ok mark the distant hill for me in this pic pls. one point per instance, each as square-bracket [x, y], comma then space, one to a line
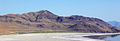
[115, 23]
[46, 21]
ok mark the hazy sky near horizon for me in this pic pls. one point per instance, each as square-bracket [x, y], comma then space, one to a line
[107, 10]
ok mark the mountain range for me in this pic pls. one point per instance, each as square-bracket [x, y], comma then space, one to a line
[46, 21]
[115, 23]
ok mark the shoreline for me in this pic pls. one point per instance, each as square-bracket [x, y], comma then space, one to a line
[52, 37]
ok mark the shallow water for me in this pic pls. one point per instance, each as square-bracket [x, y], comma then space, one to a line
[116, 38]
[105, 37]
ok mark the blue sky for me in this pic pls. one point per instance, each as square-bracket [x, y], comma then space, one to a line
[107, 10]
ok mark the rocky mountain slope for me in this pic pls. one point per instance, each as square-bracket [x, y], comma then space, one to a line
[45, 21]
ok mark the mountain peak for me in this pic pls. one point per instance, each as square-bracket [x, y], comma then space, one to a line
[44, 11]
